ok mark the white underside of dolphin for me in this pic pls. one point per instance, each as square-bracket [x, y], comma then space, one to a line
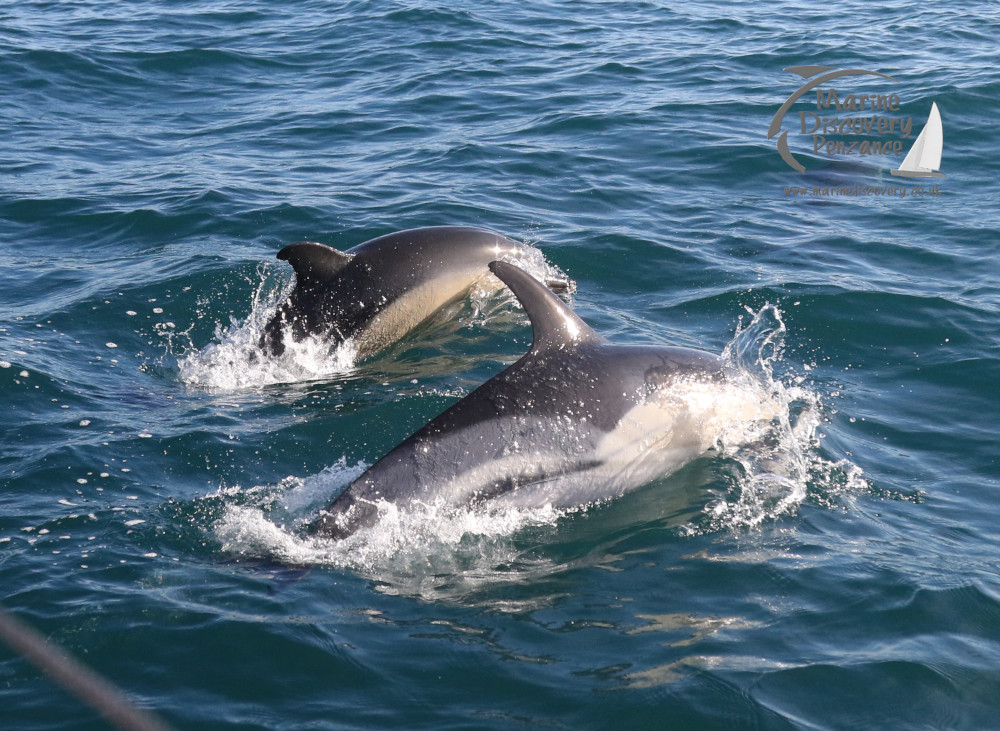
[576, 420]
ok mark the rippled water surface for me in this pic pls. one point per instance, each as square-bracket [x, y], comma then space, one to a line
[836, 569]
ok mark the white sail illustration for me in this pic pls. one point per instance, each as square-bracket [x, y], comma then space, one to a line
[924, 158]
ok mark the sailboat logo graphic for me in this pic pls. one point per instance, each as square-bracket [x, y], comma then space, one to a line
[924, 158]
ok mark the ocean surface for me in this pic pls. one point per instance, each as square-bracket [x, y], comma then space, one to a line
[838, 570]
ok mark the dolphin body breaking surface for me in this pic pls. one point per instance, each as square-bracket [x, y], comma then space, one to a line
[576, 420]
[376, 292]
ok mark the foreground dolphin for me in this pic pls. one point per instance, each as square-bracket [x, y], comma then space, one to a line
[378, 291]
[575, 420]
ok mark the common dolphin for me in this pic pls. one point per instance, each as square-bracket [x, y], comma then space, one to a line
[378, 291]
[576, 420]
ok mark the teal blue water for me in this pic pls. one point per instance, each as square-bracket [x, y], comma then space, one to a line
[839, 571]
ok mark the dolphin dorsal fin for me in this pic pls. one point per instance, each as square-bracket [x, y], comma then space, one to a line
[312, 262]
[553, 323]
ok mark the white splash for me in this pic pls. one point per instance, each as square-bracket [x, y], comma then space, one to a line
[415, 549]
[777, 467]
[235, 361]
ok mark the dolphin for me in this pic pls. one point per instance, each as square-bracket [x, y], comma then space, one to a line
[378, 291]
[576, 420]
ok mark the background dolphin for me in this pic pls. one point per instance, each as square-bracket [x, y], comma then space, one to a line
[378, 291]
[575, 420]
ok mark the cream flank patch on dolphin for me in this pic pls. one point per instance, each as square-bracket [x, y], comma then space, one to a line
[404, 314]
[419, 305]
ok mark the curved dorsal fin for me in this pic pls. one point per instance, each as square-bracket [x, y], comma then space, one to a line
[553, 323]
[313, 263]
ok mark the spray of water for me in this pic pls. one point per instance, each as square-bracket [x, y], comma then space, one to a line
[775, 468]
[432, 551]
[234, 361]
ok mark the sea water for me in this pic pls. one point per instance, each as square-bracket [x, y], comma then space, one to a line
[836, 569]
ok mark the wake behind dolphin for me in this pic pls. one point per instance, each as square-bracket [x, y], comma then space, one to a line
[376, 292]
[576, 420]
